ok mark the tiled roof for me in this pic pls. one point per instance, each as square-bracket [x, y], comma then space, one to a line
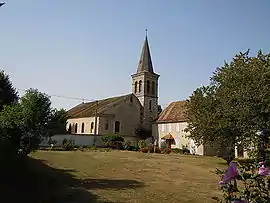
[88, 109]
[175, 112]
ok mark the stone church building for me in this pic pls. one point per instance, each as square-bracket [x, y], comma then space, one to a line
[123, 114]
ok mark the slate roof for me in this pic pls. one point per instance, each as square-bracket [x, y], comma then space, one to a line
[88, 109]
[175, 112]
[145, 62]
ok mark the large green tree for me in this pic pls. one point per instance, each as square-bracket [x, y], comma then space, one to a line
[235, 105]
[8, 94]
[25, 124]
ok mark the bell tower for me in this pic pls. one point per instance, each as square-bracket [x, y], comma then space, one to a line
[145, 84]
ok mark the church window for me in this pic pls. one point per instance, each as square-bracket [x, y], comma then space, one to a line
[140, 86]
[69, 128]
[107, 125]
[131, 99]
[92, 127]
[150, 105]
[76, 127]
[82, 130]
[148, 86]
[117, 127]
[136, 86]
[153, 87]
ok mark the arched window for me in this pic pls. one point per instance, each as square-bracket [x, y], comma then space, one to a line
[131, 99]
[69, 128]
[117, 127]
[92, 127]
[153, 87]
[150, 105]
[82, 128]
[140, 86]
[147, 86]
[76, 127]
[136, 86]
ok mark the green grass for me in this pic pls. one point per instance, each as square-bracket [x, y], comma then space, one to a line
[120, 176]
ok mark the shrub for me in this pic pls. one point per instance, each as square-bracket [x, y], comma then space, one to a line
[92, 147]
[177, 151]
[166, 151]
[144, 150]
[127, 145]
[113, 141]
[150, 148]
[68, 144]
[142, 144]
[157, 150]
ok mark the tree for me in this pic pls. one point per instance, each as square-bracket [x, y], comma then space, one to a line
[37, 117]
[159, 109]
[58, 122]
[10, 131]
[235, 105]
[8, 94]
[142, 132]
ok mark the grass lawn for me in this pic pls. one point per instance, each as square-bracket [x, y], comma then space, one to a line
[119, 176]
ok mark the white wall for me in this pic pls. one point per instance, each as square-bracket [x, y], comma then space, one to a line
[80, 140]
[177, 130]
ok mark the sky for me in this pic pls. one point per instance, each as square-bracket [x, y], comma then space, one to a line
[88, 49]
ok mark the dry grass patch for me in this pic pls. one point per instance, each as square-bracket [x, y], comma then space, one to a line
[122, 176]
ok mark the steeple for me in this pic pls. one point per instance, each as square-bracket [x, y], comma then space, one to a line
[145, 62]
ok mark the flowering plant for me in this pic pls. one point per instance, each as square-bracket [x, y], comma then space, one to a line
[245, 183]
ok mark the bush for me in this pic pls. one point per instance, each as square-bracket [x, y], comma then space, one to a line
[68, 144]
[142, 144]
[113, 141]
[157, 150]
[177, 151]
[144, 150]
[166, 151]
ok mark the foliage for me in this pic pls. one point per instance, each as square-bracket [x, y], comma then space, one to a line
[163, 145]
[8, 94]
[235, 105]
[142, 144]
[25, 124]
[58, 121]
[68, 144]
[157, 150]
[113, 141]
[246, 184]
[166, 151]
[142, 132]
[52, 142]
[10, 133]
[144, 150]
[159, 109]
[177, 151]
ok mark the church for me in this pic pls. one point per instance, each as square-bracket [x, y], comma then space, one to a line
[123, 114]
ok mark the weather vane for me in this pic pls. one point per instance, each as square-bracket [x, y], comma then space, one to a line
[146, 32]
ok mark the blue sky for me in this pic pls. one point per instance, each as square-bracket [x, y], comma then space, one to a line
[89, 48]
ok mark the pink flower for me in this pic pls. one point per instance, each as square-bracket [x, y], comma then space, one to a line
[231, 173]
[264, 171]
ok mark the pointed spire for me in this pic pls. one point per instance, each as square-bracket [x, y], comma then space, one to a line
[145, 62]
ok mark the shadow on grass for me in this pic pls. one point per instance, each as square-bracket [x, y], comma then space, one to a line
[31, 180]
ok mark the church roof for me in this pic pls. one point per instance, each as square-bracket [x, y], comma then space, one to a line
[88, 109]
[145, 62]
[175, 112]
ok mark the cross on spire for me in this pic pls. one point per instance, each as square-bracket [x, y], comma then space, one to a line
[146, 32]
